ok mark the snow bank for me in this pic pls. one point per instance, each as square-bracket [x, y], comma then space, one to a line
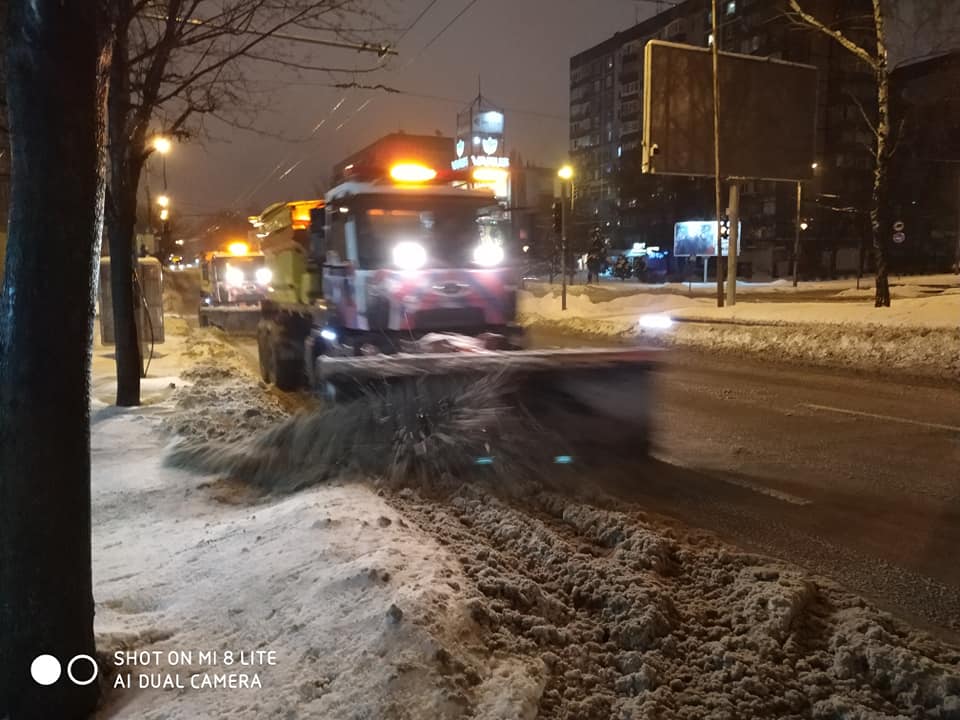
[634, 620]
[365, 615]
[920, 336]
[900, 286]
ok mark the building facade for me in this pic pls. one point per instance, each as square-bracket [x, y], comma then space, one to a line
[606, 122]
[925, 170]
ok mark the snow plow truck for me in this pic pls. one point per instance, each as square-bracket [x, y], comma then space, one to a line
[233, 282]
[402, 275]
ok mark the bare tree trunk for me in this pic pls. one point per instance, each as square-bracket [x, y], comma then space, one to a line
[122, 216]
[56, 103]
[878, 217]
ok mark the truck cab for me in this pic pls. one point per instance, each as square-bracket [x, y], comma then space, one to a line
[236, 277]
[391, 255]
[404, 260]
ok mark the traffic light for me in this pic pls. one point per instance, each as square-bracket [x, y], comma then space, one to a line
[725, 228]
[558, 217]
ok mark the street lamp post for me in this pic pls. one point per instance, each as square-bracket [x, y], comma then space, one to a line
[800, 225]
[566, 196]
[163, 145]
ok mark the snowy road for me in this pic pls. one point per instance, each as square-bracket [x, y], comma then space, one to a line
[854, 477]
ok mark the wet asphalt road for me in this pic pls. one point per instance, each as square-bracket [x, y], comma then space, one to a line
[853, 477]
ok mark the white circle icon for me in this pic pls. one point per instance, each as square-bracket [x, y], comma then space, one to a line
[93, 674]
[45, 669]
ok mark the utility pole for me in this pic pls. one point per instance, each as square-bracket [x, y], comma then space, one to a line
[715, 52]
[733, 215]
[796, 235]
[566, 200]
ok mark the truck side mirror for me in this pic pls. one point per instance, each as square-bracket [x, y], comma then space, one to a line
[318, 232]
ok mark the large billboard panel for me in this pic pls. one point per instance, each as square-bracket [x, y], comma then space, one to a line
[767, 114]
[698, 238]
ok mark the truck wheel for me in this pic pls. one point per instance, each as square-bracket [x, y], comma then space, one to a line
[265, 355]
[287, 366]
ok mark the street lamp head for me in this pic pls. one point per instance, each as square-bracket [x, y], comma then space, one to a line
[565, 173]
[162, 144]
[804, 226]
[164, 215]
[814, 166]
[163, 201]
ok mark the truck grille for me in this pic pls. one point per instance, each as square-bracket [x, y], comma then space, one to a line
[449, 318]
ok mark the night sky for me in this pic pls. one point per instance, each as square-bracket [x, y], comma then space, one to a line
[520, 49]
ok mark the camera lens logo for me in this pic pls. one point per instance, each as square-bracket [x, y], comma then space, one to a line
[46, 670]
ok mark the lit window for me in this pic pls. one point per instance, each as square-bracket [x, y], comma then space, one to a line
[731, 7]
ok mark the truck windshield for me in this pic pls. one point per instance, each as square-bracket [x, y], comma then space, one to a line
[449, 228]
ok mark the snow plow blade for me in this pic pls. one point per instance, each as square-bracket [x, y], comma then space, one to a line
[592, 403]
[232, 320]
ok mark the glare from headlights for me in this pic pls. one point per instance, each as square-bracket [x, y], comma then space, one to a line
[488, 254]
[233, 276]
[408, 255]
[264, 275]
[656, 321]
[328, 335]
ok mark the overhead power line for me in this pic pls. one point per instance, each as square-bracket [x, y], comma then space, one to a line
[380, 49]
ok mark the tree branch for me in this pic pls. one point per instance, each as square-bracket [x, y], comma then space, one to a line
[813, 22]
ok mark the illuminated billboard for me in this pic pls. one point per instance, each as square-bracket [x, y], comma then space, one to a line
[698, 238]
[489, 122]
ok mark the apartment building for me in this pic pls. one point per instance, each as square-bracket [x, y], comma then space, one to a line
[606, 121]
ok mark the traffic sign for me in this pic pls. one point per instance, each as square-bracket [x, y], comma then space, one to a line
[899, 237]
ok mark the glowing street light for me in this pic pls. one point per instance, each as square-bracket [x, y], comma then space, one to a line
[164, 214]
[565, 173]
[804, 226]
[163, 201]
[162, 144]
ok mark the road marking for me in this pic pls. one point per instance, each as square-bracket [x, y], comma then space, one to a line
[763, 490]
[876, 416]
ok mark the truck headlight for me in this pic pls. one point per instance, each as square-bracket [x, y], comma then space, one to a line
[264, 276]
[233, 276]
[409, 255]
[488, 254]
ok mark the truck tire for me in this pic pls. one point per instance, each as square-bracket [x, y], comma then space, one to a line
[287, 366]
[264, 354]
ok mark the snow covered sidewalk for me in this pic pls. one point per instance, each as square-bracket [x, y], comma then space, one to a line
[917, 335]
[337, 602]
[222, 604]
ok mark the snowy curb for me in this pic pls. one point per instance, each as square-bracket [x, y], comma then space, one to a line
[919, 352]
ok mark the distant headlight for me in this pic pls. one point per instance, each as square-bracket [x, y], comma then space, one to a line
[233, 276]
[263, 276]
[409, 255]
[488, 254]
[656, 321]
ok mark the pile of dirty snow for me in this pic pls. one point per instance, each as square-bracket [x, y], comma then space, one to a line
[349, 611]
[219, 398]
[633, 620]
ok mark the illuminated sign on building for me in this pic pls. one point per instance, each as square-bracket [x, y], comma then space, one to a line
[497, 161]
[480, 145]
